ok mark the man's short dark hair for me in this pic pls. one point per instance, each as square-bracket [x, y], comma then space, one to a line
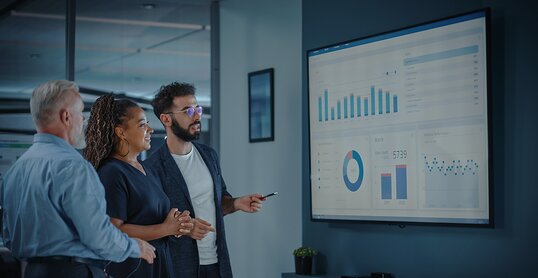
[164, 99]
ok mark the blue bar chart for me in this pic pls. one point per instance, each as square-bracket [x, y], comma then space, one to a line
[401, 183]
[320, 118]
[354, 106]
[372, 99]
[380, 98]
[326, 95]
[387, 105]
[358, 106]
[386, 186]
[345, 107]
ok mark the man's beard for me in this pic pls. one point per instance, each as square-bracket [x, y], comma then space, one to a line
[79, 142]
[184, 134]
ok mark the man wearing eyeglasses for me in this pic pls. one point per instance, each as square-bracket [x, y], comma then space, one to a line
[191, 177]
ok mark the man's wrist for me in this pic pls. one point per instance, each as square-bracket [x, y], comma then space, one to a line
[228, 204]
[234, 208]
[135, 248]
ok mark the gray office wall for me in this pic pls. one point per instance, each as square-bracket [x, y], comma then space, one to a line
[508, 250]
[256, 35]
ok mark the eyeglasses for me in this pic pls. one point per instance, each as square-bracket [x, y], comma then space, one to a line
[190, 111]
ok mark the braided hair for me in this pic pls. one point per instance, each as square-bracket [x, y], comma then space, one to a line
[106, 114]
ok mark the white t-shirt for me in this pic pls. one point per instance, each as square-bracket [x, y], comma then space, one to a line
[200, 185]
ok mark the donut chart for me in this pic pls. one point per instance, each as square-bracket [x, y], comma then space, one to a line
[353, 186]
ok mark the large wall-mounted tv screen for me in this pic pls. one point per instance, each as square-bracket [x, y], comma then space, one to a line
[398, 125]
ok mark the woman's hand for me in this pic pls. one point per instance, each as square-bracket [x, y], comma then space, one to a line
[177, 223]
[185, 223]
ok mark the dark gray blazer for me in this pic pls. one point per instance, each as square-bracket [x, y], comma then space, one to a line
[184, 250]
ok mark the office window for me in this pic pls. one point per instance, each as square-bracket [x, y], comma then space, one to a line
[32, 45]
[131, 48]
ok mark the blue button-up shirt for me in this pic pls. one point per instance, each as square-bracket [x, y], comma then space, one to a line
[54, 204]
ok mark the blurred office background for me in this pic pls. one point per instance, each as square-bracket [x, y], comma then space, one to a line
[131, 48]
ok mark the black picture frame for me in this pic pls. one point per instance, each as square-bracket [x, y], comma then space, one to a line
[261, 120]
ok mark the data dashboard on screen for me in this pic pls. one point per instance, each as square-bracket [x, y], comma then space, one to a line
[398, 125]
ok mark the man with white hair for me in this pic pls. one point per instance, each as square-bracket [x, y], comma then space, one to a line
[54, 208]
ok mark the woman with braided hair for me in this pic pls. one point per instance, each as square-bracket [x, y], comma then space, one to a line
[118, 131]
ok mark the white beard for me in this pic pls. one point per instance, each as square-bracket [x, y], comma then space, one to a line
[79, 142]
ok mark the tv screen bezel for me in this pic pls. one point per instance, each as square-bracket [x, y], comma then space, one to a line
[490, 224]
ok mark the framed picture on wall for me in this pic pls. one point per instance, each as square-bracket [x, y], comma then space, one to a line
[261, 105]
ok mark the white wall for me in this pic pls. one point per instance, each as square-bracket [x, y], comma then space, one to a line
[257, 35]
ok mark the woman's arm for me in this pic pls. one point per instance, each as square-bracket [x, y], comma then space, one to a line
[176, 224]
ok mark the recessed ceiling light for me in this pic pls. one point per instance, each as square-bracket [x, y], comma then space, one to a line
[148, 6]
[34, 56]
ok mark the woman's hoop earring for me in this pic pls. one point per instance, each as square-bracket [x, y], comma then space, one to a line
[128, 148]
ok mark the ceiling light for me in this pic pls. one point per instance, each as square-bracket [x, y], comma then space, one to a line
[148, 6]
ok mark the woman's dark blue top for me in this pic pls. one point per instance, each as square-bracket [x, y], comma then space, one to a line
[136, 199]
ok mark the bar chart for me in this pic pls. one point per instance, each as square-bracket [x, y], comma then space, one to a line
[401, 183]
[377, 102]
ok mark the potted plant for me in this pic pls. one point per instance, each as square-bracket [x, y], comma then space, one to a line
[303, 260]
